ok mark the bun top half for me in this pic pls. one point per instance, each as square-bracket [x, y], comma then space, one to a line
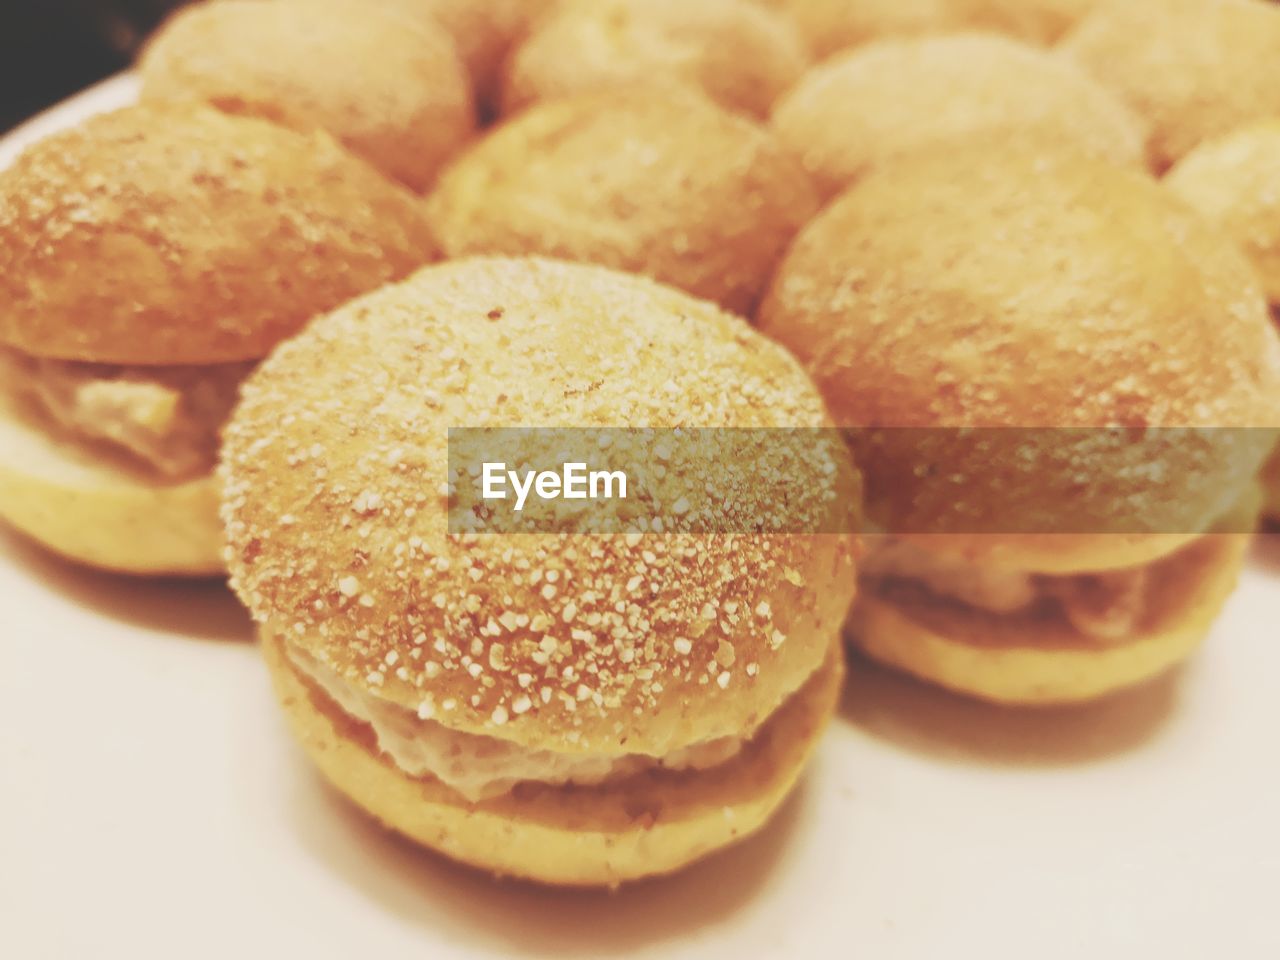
[660, 182]
[1235, 182]
[1034, 288]
[336, 471]
[830, 26]
[740, 54]
[387, 85]
[1192, 69]
[892, 97]
[172, 234]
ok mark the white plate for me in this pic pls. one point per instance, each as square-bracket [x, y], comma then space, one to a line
[152, 805]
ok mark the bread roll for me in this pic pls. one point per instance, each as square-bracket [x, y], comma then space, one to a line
[660, 183]
[147, 259]
[586, 665]
[887, 99]
[1192, 69]
[389, 86]
[738, 54]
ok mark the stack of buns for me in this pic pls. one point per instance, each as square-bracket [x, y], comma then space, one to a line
[938, 226]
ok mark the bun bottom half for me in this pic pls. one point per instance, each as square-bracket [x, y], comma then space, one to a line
[1033, 660]
[578, 836]
[101, 514]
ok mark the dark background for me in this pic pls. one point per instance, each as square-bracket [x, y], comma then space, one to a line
[50, 49]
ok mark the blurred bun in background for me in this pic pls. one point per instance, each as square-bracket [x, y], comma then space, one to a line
[1193, 69]
[1235, 182]
[389, 85]
[872, 105]
[658, 182]
[830, 26]
[741, 55]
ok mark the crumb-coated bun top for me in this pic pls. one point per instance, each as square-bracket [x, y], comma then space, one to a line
[335, 470]
[172, 234]
[389, 86]
[1027, 287]
[741, 55]
[662, 183]
[833, 25]
[1235, 182]
[876, 103]
[1194, 69]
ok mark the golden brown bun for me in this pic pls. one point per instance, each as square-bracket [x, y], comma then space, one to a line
[834, 25]
[1194, 69]
[893, 97]
[338, 531]
[1034, 660]
[482, 31]
[173, 234]
[1029, 288]
[740, 55]
[643, 826]
[662, 184]
[1235, 182]
[388, 86]
[96, 512]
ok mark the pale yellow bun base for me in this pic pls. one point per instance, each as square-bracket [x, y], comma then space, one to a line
[95, 512]
[646, 825]
[1027, 660]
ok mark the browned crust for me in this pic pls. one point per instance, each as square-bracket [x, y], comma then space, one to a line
[661, 183]
[1128, 307]
[175, 234]
[1193, 70]
[874, 104]
[1232, 181]
[741, 55]
[834, 25]
[406, 109]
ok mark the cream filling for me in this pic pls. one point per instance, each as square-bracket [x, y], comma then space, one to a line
[479, 766]
[1103, 606]
[166, 418]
